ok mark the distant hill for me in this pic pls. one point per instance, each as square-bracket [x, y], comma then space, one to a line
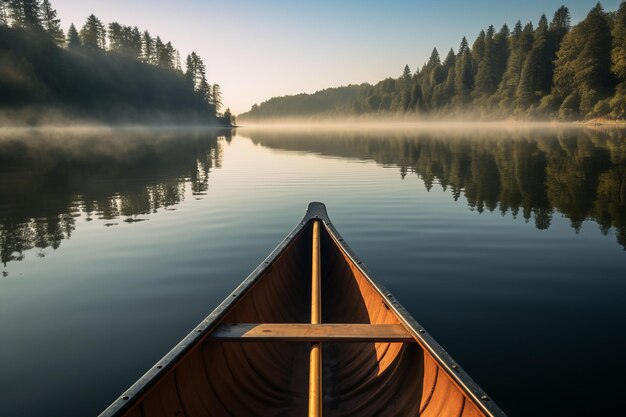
[324, 103]
[548, 71]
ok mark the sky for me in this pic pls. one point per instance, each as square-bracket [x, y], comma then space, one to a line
[258, 49]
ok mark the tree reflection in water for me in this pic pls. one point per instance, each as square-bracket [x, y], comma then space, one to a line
[578, 172]
[48, 178]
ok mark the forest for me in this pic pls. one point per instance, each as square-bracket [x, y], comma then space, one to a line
[97, 71]
[551, 70]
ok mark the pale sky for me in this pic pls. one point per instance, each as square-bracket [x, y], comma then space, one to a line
[258, 49]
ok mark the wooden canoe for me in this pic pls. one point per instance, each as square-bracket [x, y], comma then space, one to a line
[308, 332]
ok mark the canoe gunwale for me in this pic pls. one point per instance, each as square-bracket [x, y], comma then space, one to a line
[315, 211]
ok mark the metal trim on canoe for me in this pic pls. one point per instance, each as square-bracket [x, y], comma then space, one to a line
[314, 211]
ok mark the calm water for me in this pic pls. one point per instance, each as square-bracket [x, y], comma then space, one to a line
[508, 246]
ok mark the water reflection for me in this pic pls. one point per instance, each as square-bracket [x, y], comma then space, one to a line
[535, 173]
[50, 178]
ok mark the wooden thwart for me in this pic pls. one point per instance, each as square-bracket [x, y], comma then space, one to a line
[303, 332]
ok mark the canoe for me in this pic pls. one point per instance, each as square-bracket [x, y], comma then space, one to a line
[308, 332]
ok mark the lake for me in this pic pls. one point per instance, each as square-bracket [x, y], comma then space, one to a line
[506, 244]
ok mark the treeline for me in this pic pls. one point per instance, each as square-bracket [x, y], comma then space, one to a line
[109, 68]
[550, 70]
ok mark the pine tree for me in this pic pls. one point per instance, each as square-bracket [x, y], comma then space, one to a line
[51, 23]
[177, 62]
[190, 70]
[31, 12]
[405, 88]
[217, 97]
[148, 48]
[136, 43]
[73, 39]
[560, 25]
[93, 34]
[478, 51]
[536, 76]
[520, 42]
[464, 75]
[4, 14]
[582, 74]
[618, 53]
[15, 11]
[115, 37]
[484, 75]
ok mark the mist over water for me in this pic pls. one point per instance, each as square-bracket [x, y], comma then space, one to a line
[506, 242]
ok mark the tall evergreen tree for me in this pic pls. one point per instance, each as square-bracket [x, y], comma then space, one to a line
[51, 23]
[536, 76]
[582, 73]
[560, 25]
[93, 34]
[31, 14]
[406, 83]
[618, 53]
[149, 52]
[73, 39]
[190, 71]
[4, 13]
[478, 51]
[485, 73]
[15, 12]
[216, 96]
[115, 37]
[520, 42]
[464, 76]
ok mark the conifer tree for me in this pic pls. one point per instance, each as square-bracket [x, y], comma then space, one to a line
[405, 88]
[190, 72]
[216, 96]
[148, 55]
[73, 39]
[93, 34]
[536, 76]
[582, 70]
[177, 62]
[15, 12]
[31, 10]
[485, 74]
[520, 44]
[464, 75]
[51, 23]
[618, 53]
[560, 25]
[115, 37]
[4, 14]
[478, 51]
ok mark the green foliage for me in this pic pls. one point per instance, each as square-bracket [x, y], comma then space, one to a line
[73, 39]
[4, 13]
[618, 54]
[93, 34]
[89, 78]
[51, 23]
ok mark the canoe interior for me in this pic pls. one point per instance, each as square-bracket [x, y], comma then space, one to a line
[271, 378]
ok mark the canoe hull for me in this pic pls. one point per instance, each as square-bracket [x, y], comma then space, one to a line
[205, 377]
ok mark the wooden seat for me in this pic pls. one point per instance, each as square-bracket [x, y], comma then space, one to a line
[296, 332]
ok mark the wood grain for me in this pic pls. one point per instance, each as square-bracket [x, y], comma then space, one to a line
[293, 332]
